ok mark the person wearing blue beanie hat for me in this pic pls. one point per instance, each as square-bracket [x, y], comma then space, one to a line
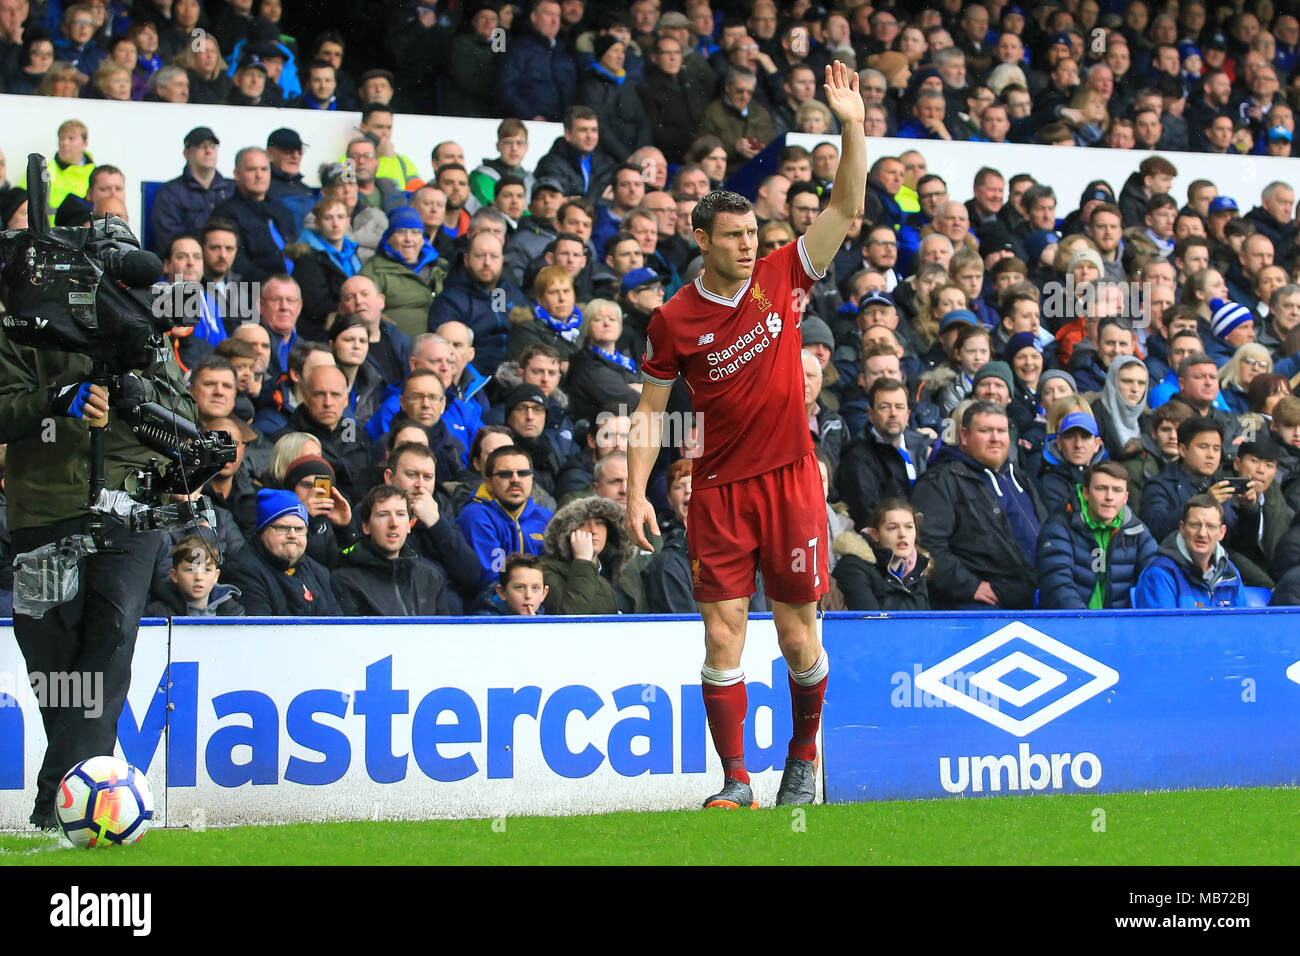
[274, 503]
[407, 270]
[274, 574]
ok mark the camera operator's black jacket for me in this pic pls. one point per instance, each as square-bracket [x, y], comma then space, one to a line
[47, 472]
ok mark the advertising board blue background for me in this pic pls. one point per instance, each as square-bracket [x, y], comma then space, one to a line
[1168, 700]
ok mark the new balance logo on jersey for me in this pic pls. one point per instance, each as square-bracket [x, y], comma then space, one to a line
[705, 339]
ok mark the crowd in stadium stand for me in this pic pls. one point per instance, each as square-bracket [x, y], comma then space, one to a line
[1021, 400]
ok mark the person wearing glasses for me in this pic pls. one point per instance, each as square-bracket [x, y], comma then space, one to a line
[502, 519]
[1192, 569]
[274, 574]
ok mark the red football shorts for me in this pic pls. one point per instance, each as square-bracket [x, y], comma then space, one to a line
[775, 521]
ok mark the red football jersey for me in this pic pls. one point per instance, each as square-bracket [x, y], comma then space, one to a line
[741, 359]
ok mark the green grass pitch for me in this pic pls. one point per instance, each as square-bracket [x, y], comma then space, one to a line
[1210, 827]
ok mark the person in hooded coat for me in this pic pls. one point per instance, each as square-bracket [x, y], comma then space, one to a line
[1096, 522]
[587, 561]
[1121, 411]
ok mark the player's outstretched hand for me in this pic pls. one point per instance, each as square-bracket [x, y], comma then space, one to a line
[842, 93]
[639, 514]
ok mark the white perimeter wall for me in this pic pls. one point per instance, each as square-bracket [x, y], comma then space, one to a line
[146, 139]
[1068, 170]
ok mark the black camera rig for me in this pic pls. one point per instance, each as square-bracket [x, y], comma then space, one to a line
[88, 291]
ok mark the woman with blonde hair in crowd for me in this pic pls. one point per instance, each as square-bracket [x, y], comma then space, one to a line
[599, 374]
[62, 79]
[113, 81]
[1248, 362]
[288, 447]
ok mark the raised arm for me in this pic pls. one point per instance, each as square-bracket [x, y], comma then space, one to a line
[825, 236]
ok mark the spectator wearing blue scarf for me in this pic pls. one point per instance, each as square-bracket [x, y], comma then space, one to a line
[599, 374]
[407, 270]
[552, 318]
[324, 258]
[624, 125]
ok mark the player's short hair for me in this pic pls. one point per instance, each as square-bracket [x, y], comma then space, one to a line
[718, 201]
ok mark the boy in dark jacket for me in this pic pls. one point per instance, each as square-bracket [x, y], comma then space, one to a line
[521, 590]
[193, 590]
[380, 576]
[1076, 446]
[1092, 551]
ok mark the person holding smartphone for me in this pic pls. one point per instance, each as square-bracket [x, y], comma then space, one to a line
[329, 516]
[1200, 455]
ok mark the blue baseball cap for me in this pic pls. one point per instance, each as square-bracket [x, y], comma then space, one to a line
[641, 277]
[1079, 420]
[957, 315]
[1224, 204]
[1279, 134]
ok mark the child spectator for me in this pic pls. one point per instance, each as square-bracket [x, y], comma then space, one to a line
[522, 589]
[194, 591]
[890, 573]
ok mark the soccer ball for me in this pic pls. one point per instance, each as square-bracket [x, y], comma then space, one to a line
[104, 801]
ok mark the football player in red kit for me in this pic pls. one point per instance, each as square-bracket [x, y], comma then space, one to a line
[756, 493]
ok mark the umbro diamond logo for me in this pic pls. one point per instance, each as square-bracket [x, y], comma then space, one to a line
[991, 679]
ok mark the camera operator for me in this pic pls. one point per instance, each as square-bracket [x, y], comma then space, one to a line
[47, 408]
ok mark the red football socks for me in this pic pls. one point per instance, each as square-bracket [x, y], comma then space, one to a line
[806, 707]
[726, 708]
